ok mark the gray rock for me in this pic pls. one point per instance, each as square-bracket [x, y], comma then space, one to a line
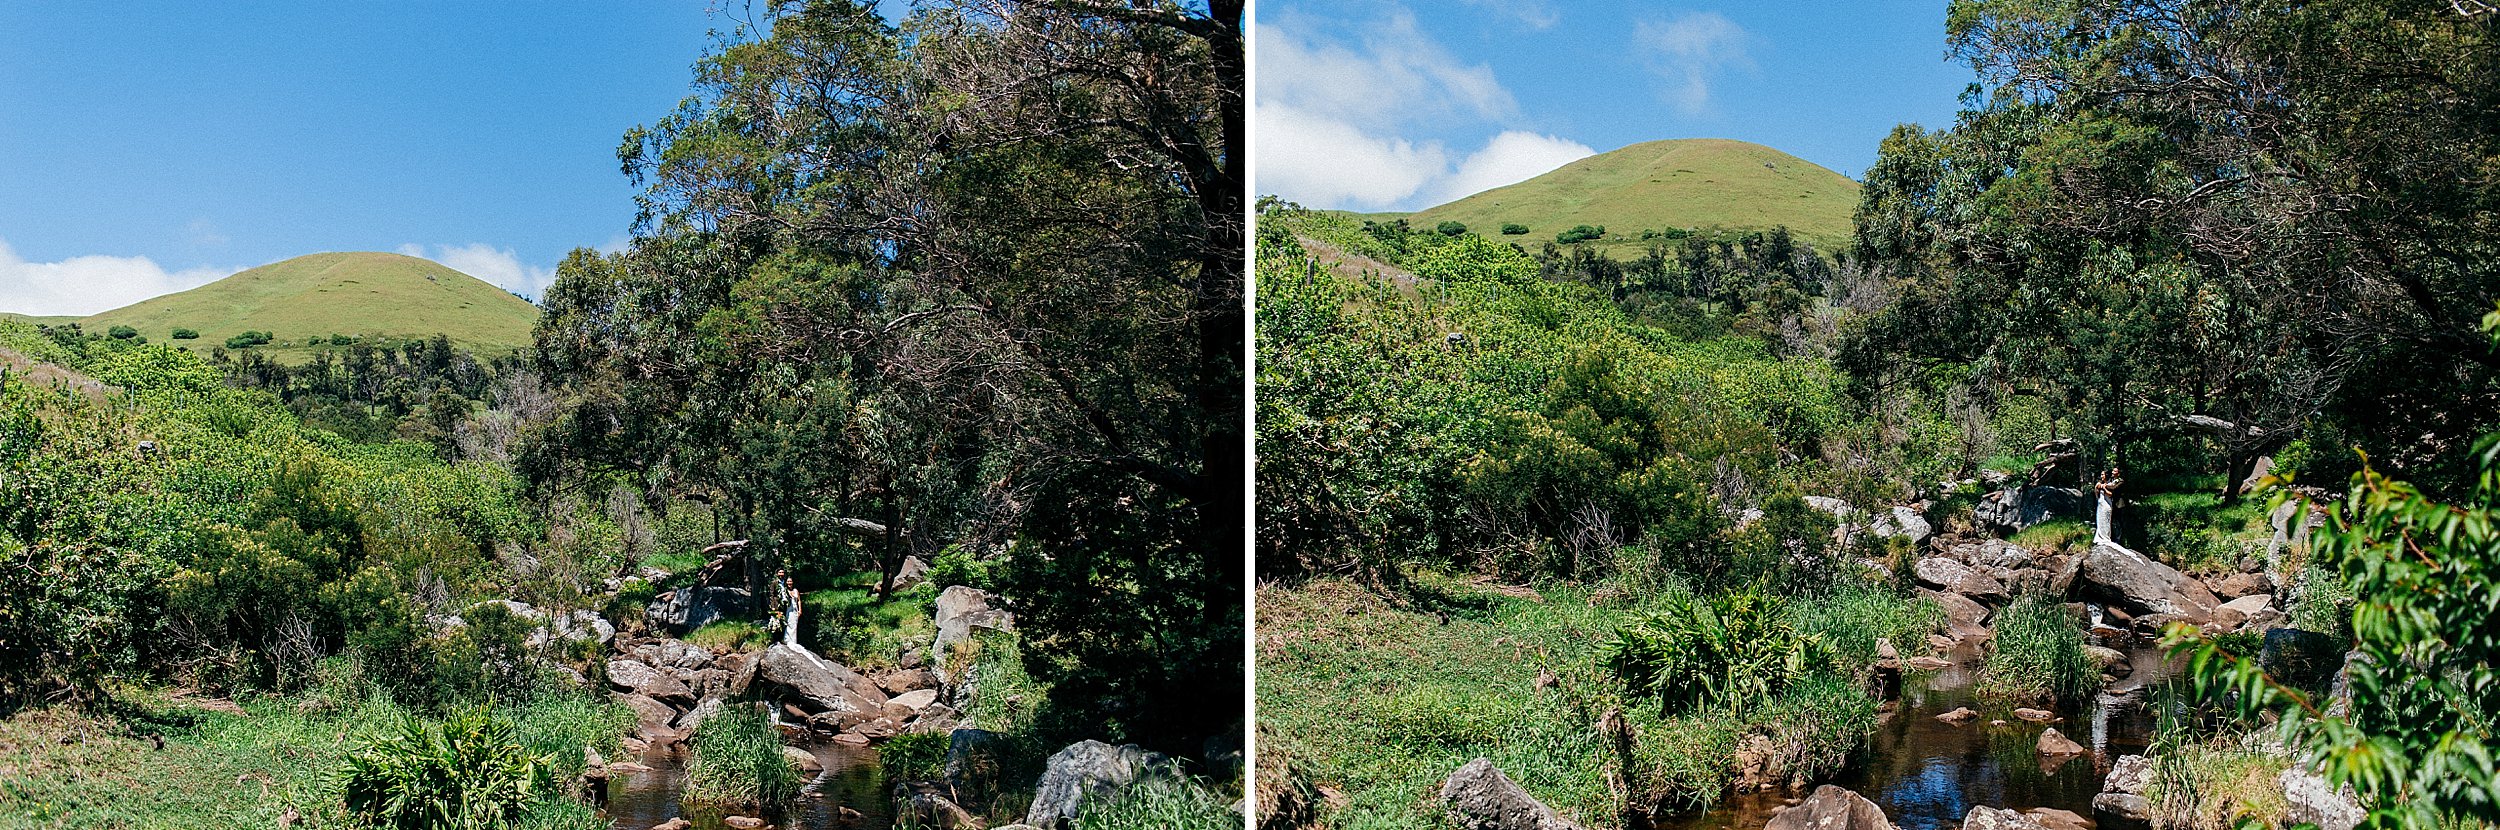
[972, 764]
[1996, 818]
[2240, 585]
[1902, 522]
[1480, 797]
[675, 654]
[2313, 802]
[1831, 808]
[2056, 819]
[2122, 805]
[1939, 572]
[633, 676]
[2133, 580]
[2013, 509]
[830, 692]
[913, 571]
[2240, 610]
[1088, 770]
[1982, 587]
[2130, 775]
[2053, 742]
[904, 706]
[655, 720]
[960, 610]
[2302, 659]
[689, 608]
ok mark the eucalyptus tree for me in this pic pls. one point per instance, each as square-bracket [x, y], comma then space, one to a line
[2227, 218]
[971, 278]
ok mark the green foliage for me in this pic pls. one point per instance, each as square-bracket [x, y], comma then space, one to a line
[736, 759]
[122, 332]
[2415, 738]
[466, 773]
[2036, 655]
[1735, 649]
[1452, 228]
[1514, 229]
[1854, 613]
[1160, 802]
[914, 756]
[1817, 723]
[249, 339]
[1580, 233]
[958, 565]
[186, 334]
[2323, 601]
[854, 626]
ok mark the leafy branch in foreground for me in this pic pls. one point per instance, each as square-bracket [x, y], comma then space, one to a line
[2414, 739]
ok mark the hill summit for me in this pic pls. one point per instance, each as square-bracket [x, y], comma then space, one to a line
[364, 294]
[1694, 184]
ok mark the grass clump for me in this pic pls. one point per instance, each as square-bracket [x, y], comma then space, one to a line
[1163, 803]
[1728, 649]
[2054, 535]
[469, 771]
[914, 756]
[2038, 654]
[851, 625]
[736, 759]
[728, 635]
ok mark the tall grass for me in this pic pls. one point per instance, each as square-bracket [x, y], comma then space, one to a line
[1161, 803]
[470, 771]
[2038, 656]
[1856, 613]
[560, 725]
[736, 759]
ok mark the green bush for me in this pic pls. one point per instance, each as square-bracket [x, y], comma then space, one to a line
[249, 339]
[2037, 654]
[1581, 233]
[914, 756]
[957, 565]
[467, 772]
[1735, 649]
[1451, 227]
[1817, 723]
[122, 332]
[1513, 229]
[186, 334]
[736, 759]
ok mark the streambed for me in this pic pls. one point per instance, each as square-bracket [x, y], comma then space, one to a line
[853, 779]
[1927, 774]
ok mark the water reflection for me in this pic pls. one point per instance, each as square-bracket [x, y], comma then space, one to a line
[851, 794]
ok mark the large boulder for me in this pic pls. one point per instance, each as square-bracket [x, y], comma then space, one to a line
[674, 654]
[1480, 797]
[2143, 586]
[2240, 585]
[2054, 743]
[2014, 508]
[973, 760]
[2302, 659]
[830, 692]
[1903, 522]
[2242, 610]
[1831, 808]
[960, 610]
[633, 676]
[1088, 770]
[2130, 775]
[692, 607]
[654, 721]
[1940, 572]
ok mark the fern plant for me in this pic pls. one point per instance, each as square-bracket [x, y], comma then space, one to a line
[468, 773]
[1733, 649]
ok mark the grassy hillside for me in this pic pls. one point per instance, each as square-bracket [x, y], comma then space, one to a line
[371, 295]
[37, 319]
[1695, 183]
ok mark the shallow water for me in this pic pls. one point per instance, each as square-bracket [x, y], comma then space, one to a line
[1927, 774]
[853, 778]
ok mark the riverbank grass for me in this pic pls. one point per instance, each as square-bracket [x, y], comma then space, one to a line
[736, 758]
[2036, 655]
[1372, 703]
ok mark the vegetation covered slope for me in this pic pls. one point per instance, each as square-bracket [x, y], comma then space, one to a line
[1696, 183]
[363, 294]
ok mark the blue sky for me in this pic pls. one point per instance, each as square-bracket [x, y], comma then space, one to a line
[147, 147]
[1386, 105]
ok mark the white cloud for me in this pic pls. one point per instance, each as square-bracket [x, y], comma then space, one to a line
[1334, 119]
[1689, 50]
[486, 262]
[89, 284]
[1537, 14]
[1399, 75]
[1510, 158]
[1323, 162]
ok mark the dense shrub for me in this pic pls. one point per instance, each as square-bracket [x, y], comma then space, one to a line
[914, 756]
[186, 334]
[122, 332]
[1513, 229]
[1451, 227]
[249, 339]
[1581, 233]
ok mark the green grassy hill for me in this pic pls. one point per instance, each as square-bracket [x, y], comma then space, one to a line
[38, 319]
[1697, 183]
[377, 296]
